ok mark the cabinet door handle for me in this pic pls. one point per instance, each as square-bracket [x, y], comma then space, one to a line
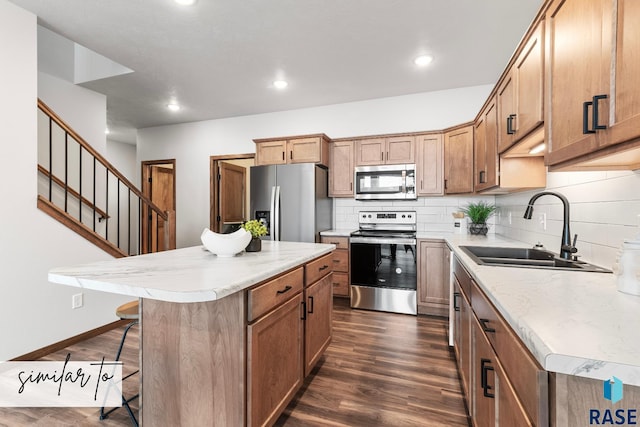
[485, 328]
[286, 289]
[351, 186]
[482, 177]
[445, 184]
[283, 156]
[310, 305]
[596, 103]
[510, 129]
[585, 118]
[304, 310]
[421, 186]
[324, 267]
[291, 155]
[456, 295]
[484, 381]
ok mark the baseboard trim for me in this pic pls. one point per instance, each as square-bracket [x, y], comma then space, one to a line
[44, 351]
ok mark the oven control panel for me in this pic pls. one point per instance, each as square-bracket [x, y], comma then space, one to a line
[387, 217]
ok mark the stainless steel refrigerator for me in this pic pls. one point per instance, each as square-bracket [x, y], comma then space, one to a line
[292, 201]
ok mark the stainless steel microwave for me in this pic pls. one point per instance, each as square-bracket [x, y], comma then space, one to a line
[388, 182]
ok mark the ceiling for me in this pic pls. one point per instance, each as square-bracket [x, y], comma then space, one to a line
[219, 58]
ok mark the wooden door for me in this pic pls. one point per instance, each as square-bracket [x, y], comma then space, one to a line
[578, 65]
[317, 329]
[400, 150]
[529, 76]
[158, 178]
[274, 365]
[627, 90]
[506, 113]
[232, 191]
[430, 165]
[341, 169]
[465, 345]
[458, 161]
[304, 150]
[370, 152]
[271, 153]
[484, 379]
[510, 410]
[433, 278]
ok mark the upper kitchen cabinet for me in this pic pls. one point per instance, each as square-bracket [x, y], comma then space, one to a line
[299, 149]
[458, 160]
[486, 148]
[341, 169]
[385, 151]
[520, 95]
[592, 63]
[429, 164]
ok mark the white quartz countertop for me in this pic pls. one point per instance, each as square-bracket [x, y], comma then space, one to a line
[190, 274]
[574, 323]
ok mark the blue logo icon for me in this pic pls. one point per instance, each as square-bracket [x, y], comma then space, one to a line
[612, 389]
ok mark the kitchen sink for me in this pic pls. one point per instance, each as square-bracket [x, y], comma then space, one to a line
[526, 258]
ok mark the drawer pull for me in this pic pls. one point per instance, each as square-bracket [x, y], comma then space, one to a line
[324, 267]
[485, 327]
[304, 310]
[336, 260]
[484, 382]
[335, 243]
[456, 307]
[286, 289]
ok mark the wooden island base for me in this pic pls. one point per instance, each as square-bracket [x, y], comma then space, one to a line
[192, 362]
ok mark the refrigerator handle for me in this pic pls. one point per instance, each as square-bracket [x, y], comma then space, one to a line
[277, 215]
[272, 213]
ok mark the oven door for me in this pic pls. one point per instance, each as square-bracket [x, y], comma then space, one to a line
[384, 263]
[385, 182]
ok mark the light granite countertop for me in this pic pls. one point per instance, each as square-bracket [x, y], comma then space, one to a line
[190, 274]
[574, 323]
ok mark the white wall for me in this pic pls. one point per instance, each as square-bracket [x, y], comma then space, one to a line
[604, 209]
[191, 144]
[34, 313]
[123, 157]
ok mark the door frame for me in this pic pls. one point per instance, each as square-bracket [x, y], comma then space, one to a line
[145, 174]
[214, 162]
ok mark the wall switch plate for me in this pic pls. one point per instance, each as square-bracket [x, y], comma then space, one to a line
[543, 221]
[77, 301]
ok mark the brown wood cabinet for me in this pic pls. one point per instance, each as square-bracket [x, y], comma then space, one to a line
[458, 161]
[341, 169]
[340, 264]
[433, 277]
[274, 365]
[385, 151]
[299, 149]
[506, 382]
[486, 148]
[592, 64]
[520, 96]
[429, 164]
[462, 337]
[317, 333]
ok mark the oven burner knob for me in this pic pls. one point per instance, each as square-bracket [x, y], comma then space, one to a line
[364, 216]
[409, 215]
[369, 216]
[403, 216]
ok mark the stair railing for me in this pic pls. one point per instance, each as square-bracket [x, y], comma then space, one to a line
[81, 189]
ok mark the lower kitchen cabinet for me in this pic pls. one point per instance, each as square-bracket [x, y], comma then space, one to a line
[433, 277]
[340, 264]
[502, 382]
[274, 366]
[317, 333]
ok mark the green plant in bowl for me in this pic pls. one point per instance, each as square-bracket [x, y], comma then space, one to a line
[479, 213]
[255, 227]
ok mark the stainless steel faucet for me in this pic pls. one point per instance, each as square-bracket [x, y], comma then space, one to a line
[567, 248]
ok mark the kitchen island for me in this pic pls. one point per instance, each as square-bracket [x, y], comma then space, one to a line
[214, 331]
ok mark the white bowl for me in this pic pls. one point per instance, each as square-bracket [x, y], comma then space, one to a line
[225, 245]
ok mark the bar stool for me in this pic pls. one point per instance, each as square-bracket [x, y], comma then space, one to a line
[127, 311]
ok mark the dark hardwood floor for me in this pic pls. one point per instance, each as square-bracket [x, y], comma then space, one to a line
[381, 369]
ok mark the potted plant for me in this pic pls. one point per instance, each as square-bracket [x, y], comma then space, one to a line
[479, 213]
[257, 229]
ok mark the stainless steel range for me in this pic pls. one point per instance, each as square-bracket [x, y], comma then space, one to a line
[383, 262]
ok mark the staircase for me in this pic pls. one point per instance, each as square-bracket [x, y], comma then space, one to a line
[78, 187]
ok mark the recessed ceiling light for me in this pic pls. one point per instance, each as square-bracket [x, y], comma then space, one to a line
[423, 60]
[280, 84]
[185, 2]
[173, 107]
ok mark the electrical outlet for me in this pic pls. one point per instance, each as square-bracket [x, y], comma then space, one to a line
[543, 221]
[77, 301]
